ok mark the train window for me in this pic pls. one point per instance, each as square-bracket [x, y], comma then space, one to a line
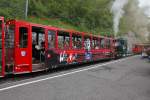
[34, 36]
[117, 43]
[102, 43]
[41, 39]
[95, 43]
[87, 43]
[23, 37]
[51, 39]
[63, 40]
[108, 43]
[9, 36]
[76, 41]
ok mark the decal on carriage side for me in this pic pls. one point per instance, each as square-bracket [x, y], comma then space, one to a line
[88, 55]
[23, 53]
[62, 56]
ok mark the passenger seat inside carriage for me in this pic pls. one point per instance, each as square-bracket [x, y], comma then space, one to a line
[38, 53]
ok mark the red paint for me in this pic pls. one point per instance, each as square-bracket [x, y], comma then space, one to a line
[2, 73]
[23, 56]
[138, 48]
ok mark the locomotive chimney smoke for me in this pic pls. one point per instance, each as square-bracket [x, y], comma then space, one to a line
[118, 10]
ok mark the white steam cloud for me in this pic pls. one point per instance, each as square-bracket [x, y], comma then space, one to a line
[118, 10]
[145, 5]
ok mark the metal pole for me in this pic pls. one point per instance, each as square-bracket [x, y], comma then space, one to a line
[26, 9]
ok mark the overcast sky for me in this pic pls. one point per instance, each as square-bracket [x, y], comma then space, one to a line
[145, 4]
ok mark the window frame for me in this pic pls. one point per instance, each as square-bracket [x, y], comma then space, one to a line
[23, 37]
[95, 43]
[63, 40]
[77, 35]
[102, 46]
[90, 45]
[54, 34]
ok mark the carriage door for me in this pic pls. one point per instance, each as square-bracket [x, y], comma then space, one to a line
[23, 49]
[2, 46]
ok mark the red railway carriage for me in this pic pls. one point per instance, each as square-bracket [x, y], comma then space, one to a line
[139, 48]
[33, 47]
[2, 61]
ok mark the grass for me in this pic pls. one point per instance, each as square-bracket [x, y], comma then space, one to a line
[55, 22]
[61, 24]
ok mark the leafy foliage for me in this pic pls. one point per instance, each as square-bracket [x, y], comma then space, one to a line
[84, 15]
